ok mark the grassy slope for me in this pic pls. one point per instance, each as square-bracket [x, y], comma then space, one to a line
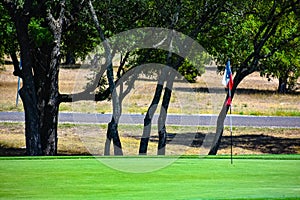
[80, 178]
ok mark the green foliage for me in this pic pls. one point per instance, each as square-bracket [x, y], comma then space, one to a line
[186, 69]
[261, 36]
[284, 63]
[80, 36]
[39, 33]
[189, 72]
[7, 35]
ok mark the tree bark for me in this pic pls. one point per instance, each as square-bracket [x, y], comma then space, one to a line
[40, 89]
[113, 125]
[162, 131]
[27, 92]
[50, 120]
[282, 85]
[222, 115]
[14, 58]
[70, 59]
[148, 119]
[219, 129]
[32, 132]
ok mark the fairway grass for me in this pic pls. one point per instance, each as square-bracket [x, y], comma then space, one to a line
[253, 177]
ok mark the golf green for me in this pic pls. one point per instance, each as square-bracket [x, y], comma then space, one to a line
[253, 177]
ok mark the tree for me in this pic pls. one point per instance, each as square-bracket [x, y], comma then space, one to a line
[251, 33]
[40, 55]
[39, 29]
[173, 16]
[191, 18]
[284, 63]
[169, 15]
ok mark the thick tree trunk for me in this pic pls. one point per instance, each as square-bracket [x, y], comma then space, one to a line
[28, 92]
[49, 130]
[48, 104]
[32, 131]
[46, 77]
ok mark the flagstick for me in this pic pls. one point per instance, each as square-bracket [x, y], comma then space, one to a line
[228, 82]
[17, 97]
[19, 84]
[231, 142]
[230, 121]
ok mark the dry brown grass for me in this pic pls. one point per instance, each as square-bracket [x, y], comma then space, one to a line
[255, 95]
[90, 139]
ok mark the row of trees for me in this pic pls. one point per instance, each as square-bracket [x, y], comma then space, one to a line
[258, 36]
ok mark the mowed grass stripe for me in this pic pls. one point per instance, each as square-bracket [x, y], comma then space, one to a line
[187, 178]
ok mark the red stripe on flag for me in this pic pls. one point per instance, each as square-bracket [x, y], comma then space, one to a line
[230, 82]
[228, 102]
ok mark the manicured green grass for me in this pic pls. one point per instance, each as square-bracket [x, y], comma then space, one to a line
[255, 177]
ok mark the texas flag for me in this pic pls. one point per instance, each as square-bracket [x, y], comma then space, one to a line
[227, 79]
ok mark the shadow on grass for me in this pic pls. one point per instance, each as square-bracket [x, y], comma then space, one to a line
[7, 151]
[238, 91]
[257, 142]
[264, 143]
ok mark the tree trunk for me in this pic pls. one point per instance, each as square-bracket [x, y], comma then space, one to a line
[219, 130]
[48, 103]
[28, 92]
[40, 89]
[113, 134]
[46, 75]
[113, 125]
[162, 131]
[112, 131]
[70, 59]
[32, 132]
[222, 115]
[282, 86]
[17, 70]
[151, 110]
[148, 119]
[49, 130]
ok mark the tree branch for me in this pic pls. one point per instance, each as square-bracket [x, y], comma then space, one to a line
[85, 96]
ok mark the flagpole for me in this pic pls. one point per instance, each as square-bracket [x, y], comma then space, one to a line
[19, 85]
[228, 82]
[231, 139]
